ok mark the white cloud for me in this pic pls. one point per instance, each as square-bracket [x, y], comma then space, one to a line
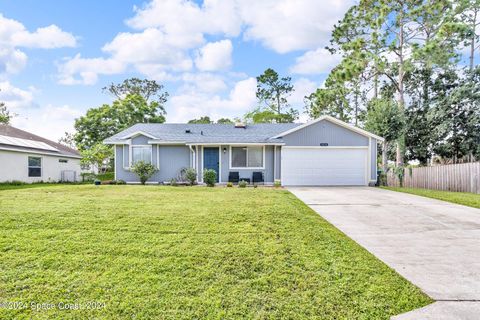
[150, 52]
[59, 120]
[289, 25]
[14, 35]
[315, 62]
[87, 69]
[282, 25]
[170, 31]
[303, 87]
[215, 56]
[15, 98]
[185, 106]
[202, 82]
[151, 46]
[46, 38]
[184, 18]
[12, 60]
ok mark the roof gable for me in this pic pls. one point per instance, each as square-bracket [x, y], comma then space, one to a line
[333, 120]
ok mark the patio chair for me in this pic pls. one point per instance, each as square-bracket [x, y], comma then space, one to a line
[257, 177]
[233, 177]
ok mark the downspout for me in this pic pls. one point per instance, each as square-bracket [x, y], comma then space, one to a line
[192, 159]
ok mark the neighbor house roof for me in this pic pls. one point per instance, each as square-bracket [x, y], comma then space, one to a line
[204, 133]
[15, 139]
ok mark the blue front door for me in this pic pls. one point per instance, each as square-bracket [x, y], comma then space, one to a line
[211, 159]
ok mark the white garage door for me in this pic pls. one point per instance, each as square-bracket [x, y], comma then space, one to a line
[324, 166]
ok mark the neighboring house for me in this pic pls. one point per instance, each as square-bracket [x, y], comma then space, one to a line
[29, 158]
[325, 151]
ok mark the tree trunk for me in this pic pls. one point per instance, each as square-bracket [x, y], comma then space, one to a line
[401, 98]
[472, 45]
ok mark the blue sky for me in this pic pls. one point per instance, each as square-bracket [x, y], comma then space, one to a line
[55, 56]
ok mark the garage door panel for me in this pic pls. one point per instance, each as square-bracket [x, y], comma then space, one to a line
[316, 166]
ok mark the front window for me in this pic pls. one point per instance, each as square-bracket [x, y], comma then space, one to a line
[247, 157]
[141, 153]
[34, 166]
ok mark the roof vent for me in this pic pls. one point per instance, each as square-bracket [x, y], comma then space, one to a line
[240, 125]
[188, 131]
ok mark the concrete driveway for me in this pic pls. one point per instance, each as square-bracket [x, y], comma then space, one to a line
[433, 244]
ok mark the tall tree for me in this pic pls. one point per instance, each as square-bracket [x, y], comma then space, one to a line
[68, 140]
[386, 119]
[5, 115]
[456, 115]
[470, 14]
[409, 30]
[224, 121]
[272, 93]
[330, 101]
[147, 89]
[204, 119]
[107, 120]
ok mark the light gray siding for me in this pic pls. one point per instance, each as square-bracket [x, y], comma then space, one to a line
[140, 140]
[247, 173]
[325, 132]
[172, 160]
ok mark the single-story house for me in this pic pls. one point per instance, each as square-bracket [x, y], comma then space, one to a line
[325, 151]
[29, 158]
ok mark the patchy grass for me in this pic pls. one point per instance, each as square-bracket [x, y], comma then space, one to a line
[465, 198]
[186, 252]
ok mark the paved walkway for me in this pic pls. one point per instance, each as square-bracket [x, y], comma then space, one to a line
[433, 244]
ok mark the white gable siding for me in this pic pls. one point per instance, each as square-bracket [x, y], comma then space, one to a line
[325, 132]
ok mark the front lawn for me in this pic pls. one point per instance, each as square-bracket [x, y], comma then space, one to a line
[465, 198]
[185, 252]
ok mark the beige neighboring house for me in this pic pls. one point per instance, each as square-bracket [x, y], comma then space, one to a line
[29, 158]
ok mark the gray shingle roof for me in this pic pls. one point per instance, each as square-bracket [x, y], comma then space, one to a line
[208, 133]
[9, 131]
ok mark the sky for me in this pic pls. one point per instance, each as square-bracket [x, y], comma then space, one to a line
[56, 56]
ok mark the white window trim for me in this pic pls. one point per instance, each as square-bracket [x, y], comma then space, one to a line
[130, 154]
[41, 166]
[247, 168]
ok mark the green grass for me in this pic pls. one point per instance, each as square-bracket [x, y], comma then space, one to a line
[465, 198]
[187, 252]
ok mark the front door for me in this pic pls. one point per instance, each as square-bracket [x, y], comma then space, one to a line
[211, 159]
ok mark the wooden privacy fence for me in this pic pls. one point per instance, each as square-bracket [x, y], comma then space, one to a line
[462, 177]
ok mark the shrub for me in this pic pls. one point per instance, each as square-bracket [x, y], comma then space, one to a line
[382, 179]
[14, 183]
[173, 182]
[277, 184]
[87, 176]
[242, 184]
[210, 177]
[121, 182]
[106, 176]
[229, 184]
[143, 170]
[191, 176]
